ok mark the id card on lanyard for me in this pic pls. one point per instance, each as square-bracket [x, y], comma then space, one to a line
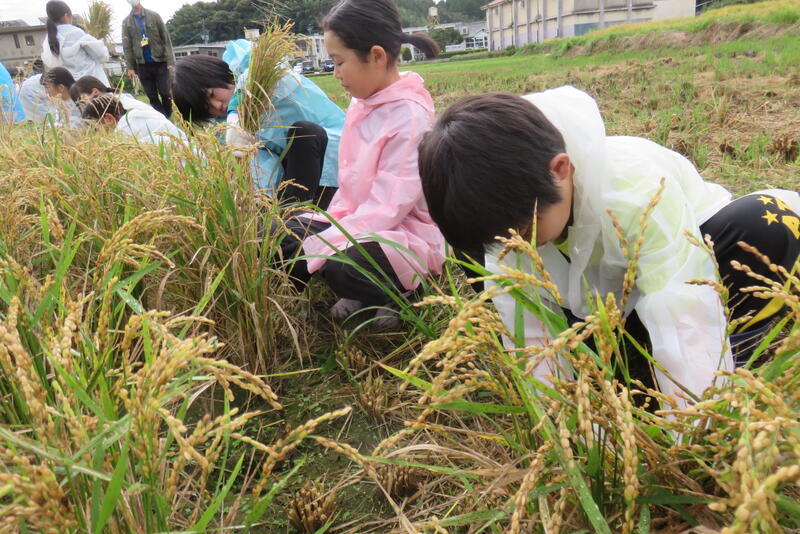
[143, 30]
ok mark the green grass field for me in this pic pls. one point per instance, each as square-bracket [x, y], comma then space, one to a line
[158, 375]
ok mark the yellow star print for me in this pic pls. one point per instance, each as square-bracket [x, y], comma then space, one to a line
[793, 224]
[765, 200]
[781, 205]
[770, 217]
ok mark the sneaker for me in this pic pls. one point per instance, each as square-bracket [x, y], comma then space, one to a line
[344, 308]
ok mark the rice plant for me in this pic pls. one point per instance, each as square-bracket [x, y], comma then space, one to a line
[267, 66]
[591, 449]
[97, 20]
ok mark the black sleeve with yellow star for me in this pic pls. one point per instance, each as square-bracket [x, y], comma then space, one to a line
[768, 224]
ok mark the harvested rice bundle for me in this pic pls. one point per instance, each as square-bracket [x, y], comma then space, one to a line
[267, 67]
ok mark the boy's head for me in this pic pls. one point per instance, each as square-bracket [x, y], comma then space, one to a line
[202, 87]
[104, 109]
[488, 163]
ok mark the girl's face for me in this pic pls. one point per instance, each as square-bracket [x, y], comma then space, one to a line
[218, 100]
[361, 77]
[57, 91]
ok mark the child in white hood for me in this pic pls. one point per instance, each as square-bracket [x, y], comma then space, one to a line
[89, 87]
[70, 47]
[57, 83]
[146, 125]
[493, 161]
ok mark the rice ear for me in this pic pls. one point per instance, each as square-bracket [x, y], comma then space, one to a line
[265, 71]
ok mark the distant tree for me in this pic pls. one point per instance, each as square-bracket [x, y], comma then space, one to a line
[446, 36]
[414, 12]
[220, 21]
[461, 10]
[407, 54]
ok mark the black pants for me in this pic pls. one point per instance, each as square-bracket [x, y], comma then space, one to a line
[155, 82]
[302, 165]
[345, 280]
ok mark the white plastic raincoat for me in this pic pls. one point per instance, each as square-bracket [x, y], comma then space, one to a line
[148, 126]
[34, 99]
[686, 323]
[80, 53]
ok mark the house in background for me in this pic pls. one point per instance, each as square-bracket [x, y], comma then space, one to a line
[312, 48]
[21, 41]
[475, 36]
[520, 22]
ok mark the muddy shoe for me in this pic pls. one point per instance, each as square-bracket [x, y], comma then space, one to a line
[344, 308]
[387, 318]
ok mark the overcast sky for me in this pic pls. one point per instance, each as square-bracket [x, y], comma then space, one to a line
[24, 9]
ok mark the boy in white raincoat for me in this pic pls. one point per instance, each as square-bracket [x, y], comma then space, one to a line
[492, 161]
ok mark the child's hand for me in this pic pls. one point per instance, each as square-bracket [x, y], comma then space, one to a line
[236, 137]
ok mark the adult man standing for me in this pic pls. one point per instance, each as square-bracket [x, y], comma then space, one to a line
[148, 53]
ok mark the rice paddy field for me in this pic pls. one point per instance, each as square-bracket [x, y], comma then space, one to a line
[157, 374]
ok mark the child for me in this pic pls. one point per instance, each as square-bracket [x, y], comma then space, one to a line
[57, 83]
[380, 196]
[88, 87]
[146, 125]
[493, 160]
[70, 47]
[304, 119]
[34, 99]
[10, 107]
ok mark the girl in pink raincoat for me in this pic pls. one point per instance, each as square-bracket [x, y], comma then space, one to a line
[379, 202]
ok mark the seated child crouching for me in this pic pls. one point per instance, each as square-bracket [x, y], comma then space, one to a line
[492, 161]
[142, 123]
[379, 201]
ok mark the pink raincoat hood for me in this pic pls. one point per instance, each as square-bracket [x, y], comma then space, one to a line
[380, 193]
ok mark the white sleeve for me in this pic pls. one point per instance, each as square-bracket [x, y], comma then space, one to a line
[96, 49]
[686, 322]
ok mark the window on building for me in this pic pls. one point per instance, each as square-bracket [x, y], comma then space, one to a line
[194, 52]
[29, 40]
[16, 41]
[212, 53]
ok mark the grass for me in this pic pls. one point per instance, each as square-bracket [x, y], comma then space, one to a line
[157, 374]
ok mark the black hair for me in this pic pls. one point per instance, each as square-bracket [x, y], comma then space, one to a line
[55, 9]
[362, 24]
[485, 167]
[84, 86]
[192, 78]
[99, 106]
[58, 76]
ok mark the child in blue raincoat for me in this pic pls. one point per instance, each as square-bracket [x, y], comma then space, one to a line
[299, 138]
[10, 107]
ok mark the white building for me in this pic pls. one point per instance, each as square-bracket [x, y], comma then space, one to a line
[214, 49]
[21, 41]
[519, 22]
[475, 34]
[312, 48]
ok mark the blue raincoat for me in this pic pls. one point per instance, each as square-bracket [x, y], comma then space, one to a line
[10, 106]
[296, 98]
